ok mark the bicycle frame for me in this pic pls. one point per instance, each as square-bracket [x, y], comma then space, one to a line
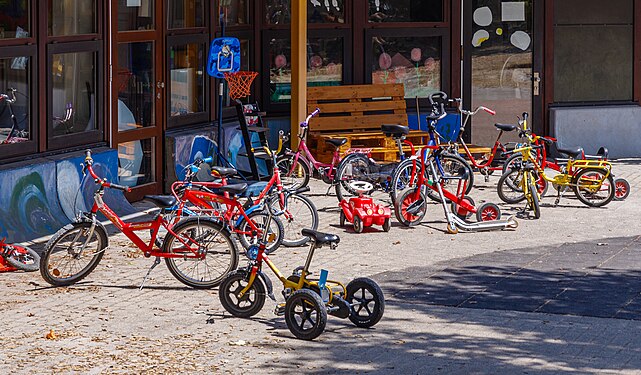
[304, 153]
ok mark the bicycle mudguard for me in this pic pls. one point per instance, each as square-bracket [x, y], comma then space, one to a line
[247, 212]
[268, 285]
[99, 226]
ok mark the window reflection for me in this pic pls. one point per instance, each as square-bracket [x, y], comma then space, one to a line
[186, 79]
[136, 162]
[72, 17]
[413, 61]
[14, 19]
[278, 12]
[135, 80]
[405, 10]
[186, 13]
[14, 73]
[235, 12]
[135, 15]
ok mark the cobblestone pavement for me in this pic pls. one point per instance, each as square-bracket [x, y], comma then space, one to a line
[106, 325]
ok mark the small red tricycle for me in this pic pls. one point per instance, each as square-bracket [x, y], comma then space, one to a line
[15, 257]
[362, 211]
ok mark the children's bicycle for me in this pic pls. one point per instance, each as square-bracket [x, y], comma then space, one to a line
[198, 251]
[307, 301]
[18, 257]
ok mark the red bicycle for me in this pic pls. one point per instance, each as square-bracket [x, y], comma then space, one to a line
[16, 257]
[198, 251]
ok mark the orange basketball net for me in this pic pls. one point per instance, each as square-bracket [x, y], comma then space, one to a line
[240, 83]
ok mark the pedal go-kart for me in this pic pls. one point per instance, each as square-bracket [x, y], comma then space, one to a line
[362, 211]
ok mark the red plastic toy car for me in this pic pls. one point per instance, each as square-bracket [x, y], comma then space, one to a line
[362, 211]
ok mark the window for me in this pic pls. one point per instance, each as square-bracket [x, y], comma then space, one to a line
[235, 12]
[72, 17]
[136, 162]
[186, 14]
[135, 80]
[14, 19]
[278, 12]
[406, 11]
[187, 79]
[15, 72]
[135, 15]
[593, 45]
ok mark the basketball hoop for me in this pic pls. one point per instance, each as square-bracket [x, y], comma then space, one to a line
[240, 83]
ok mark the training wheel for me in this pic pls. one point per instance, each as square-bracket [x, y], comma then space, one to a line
[488, 212]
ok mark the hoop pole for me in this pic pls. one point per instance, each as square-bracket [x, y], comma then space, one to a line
[221, 89]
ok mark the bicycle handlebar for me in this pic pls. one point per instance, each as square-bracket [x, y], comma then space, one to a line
[88, 166]
[459, 103]
[305, 123]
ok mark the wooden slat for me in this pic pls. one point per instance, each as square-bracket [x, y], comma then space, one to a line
[355, 122]
[413, 133]
[386, 105]
[355, 91]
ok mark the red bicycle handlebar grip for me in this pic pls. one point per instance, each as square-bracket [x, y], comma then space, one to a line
[492, 112]
[119, 187]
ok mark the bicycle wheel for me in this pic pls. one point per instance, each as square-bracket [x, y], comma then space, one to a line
[301, 214]
[23, 258]
[410, 208]
[294, 174]
[533, 197]
[355, 167]
[72, 253]
[247, 305]
[592, 187]
[402, 178]
[453, 165]
[367, 300]
[622, 189]
[509, 187]
[305, 314]
[200, 236]
[260, 218]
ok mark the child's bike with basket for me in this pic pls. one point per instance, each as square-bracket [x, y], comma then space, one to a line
[307, 301]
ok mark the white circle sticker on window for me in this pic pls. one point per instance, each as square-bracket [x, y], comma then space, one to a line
[483, 16]
[521, 40]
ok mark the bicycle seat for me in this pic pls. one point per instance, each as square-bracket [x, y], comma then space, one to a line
[461, 174]
[336, 142]
[234, 189]
[506, 127]
[395, 131]
[162, 201]
[573, 152]
[321, 238]
[223, 172]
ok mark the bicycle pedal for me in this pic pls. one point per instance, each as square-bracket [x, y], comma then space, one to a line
[279, 310]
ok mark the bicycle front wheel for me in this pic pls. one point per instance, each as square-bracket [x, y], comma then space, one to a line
[533, 196]
[260, 219]
[404, 178]
[592, 187]
[509, 187]
[294, 173]
[453, 165]
[72, 253]
[200, 252]
[301, 214]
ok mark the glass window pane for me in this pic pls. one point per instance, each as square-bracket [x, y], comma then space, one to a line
[324, 65]
[73, 92]
[413, 61]
[236, 12]
[406, 11]
[278, 12]
[136, 162]
[187, 81]
[15, 73]
[14, 19]
[135, 15]
[72, 17]
[135, 80]
[186, 13]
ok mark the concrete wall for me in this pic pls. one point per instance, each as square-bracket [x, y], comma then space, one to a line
[616, 127]
[38, 197]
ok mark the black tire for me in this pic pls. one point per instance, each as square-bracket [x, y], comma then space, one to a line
[587, 195]
[387, 224]
[67, 244]
[204, 235]
[259, 218]
[621, 189]
[509, 187]
[300, 173]
[305, 306]
[301, 214]
[23, 258]
[409, 200]
[402, 176]
[251, 303]
[353, 167]
[369, 297]
[534, 197]
[461, 212]
[358, 224]
[488, 212]
[451, 164]
[511, 162]
[342, 218]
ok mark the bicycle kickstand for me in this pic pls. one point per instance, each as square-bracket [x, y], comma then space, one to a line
[156, 262]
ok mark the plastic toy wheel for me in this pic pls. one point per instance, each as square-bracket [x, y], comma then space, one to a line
[342, 218]
[305, 314]
[249, 304]
[23, 258]
[621, 189]
[387, 224]
[452, 229]
[410, 207]
[488, 212]
[592, 187]
[358, 224]
[460, 211]
[367, 300]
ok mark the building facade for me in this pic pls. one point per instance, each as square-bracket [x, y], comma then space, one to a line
[130, 74]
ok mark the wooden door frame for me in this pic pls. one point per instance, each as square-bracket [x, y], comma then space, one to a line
[538, 117]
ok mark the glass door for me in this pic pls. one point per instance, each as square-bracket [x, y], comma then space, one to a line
[500, 65]
[138, 94]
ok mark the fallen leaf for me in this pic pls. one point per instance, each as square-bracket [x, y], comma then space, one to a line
[51, 335]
